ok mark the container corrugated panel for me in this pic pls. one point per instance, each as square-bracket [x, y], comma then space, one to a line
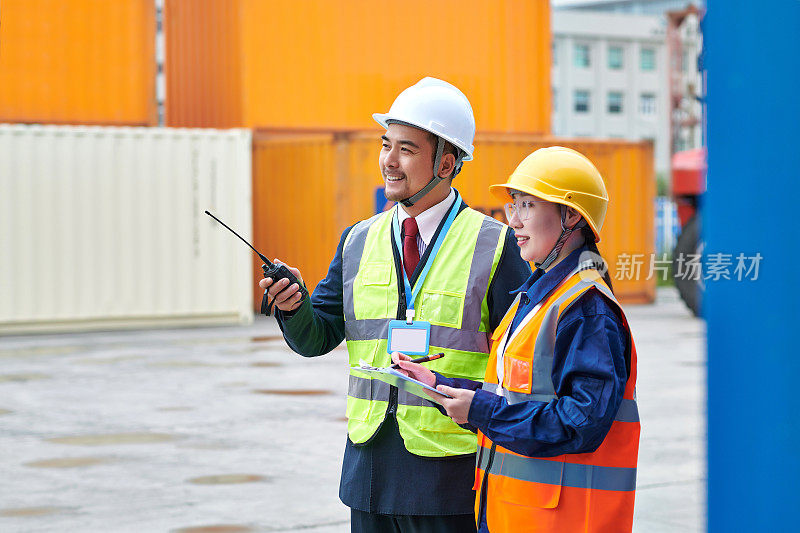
[104, 227]
[321, 64]
[295, 202]
[626, 167]
[78, 62]
[203, 63]
[328, 182]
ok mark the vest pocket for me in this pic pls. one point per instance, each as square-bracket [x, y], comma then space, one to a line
[517, 373]
[371, 294]
[460, 364]
[544, 494]
[442, 308]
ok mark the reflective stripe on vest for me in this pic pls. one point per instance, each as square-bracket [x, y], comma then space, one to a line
[455, 339]
[376, 390]
[580, 476]
[452, 298]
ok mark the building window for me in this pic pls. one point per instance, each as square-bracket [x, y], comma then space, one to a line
[581, 101]
[647, 104]
[615, 57]
[648, 59]
[615, 102]
[582, 55]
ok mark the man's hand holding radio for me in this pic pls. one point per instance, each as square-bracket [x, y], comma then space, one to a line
[286, 297]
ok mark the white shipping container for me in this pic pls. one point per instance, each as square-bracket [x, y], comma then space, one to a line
[104, 227]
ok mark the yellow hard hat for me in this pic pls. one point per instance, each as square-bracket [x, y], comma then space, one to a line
[563, 176]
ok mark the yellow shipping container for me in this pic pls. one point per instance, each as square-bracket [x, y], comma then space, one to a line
[308, 188]
[330, 65]
[78, 62]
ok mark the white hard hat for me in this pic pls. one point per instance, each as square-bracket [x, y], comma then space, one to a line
[438, 107]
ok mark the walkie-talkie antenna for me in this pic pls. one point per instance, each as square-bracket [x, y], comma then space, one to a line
[267, 261]
[275, 272]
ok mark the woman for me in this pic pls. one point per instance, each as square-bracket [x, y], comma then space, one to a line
[558, 427]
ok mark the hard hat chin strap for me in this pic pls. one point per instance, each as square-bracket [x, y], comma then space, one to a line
[435, 180]
[562, 239]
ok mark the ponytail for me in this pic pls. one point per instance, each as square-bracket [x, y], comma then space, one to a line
[588, 236]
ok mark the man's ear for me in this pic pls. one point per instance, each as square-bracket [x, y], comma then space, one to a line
[446, 166]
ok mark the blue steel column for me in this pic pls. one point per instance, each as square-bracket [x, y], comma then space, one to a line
[753, 206]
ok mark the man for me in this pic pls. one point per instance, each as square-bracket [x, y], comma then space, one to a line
[407, 466]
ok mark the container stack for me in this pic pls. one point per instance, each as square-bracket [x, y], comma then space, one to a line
[321, 65]
[302, 81]
[307, 78]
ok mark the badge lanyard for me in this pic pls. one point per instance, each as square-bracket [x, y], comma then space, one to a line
[410, 337]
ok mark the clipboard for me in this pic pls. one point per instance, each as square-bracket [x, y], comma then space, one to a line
[401, 381]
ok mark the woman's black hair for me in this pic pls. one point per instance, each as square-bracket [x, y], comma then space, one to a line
[588, 236]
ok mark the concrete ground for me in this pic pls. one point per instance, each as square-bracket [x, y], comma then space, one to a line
[225, 429]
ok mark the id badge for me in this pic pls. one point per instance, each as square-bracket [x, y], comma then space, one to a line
[410, 339]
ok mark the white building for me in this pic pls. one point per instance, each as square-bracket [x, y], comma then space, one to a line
[687, 121]
[634, 7]
[610, 78]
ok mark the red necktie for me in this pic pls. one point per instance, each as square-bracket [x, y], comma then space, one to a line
[410, 249]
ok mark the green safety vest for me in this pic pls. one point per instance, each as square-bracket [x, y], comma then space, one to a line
[452, 299]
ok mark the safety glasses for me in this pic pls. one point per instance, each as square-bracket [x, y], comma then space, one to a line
[522, 208]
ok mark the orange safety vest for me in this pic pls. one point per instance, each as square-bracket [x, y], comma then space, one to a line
[584, 492]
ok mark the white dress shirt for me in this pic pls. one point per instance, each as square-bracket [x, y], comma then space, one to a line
[428, 220]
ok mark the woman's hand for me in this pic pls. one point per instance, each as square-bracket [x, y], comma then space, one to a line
[457, 407]
[414, 370]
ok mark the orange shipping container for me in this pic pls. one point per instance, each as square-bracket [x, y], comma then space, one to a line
[628, 234]
[78, 62]
[202, 64]
[330, 65]
[295, 213]
[308, 188]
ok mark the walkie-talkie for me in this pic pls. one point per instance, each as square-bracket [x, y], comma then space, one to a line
[271, 270]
